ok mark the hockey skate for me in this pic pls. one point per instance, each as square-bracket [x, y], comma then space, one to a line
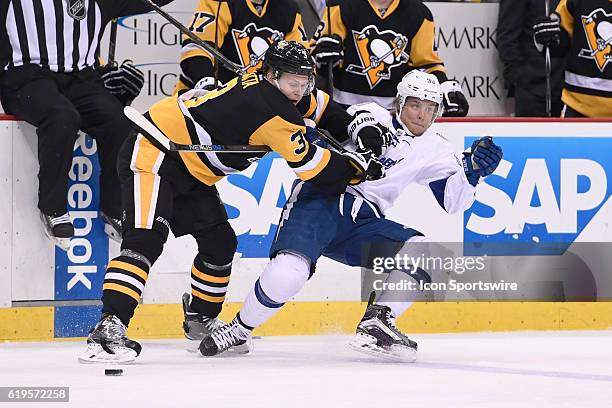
[377, 335]
[108, 343]
[59, 229]
[197, 326]
[112, 227]
[233, 337]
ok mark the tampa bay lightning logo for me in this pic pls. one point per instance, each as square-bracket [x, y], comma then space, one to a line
[76, 9]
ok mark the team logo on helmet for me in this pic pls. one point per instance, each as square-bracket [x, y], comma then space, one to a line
[379, 52]
[598, 29]
[252, 43]
[76, 9]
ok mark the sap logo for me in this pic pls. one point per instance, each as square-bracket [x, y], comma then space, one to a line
[389, 162]
[545, 189]
[254, 199]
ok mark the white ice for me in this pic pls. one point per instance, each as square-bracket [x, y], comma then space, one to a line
[517, 369]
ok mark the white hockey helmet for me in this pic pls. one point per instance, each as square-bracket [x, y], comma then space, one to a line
[421, 85]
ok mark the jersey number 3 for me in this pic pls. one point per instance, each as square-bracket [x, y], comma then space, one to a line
[298, 137]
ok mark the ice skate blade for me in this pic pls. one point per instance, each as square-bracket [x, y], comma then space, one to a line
[395, 353]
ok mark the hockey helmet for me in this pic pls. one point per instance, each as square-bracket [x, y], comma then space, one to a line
[421, 85]
[290, 57]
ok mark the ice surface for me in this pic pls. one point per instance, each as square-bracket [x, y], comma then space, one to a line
[517, 369]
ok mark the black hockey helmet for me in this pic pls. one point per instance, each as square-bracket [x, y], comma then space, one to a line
[290, 57]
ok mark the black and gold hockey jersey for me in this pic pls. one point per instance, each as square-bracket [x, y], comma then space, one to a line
[379, 48]
[588, 72]
[241, 31]
[250, 110]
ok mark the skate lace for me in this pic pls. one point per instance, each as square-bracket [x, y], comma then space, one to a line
[113, 329]
[391, 322]
[228, 336]
[62, 219]
[212, 324]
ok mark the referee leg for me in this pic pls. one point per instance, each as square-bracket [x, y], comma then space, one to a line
[40, 102]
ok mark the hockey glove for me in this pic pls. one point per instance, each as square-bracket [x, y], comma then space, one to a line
[455, 104]
[367, 133]
[367, 165]
[482, 160]
[124, 82]
[547, 32]
[207, 84]
[328, 50]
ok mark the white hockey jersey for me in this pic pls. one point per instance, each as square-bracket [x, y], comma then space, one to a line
[428, 160]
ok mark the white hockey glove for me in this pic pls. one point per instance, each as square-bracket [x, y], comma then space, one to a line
[482, 160]
[328, 50]
[455, 103]
[367, 133]
[367, 165]
[547, 32]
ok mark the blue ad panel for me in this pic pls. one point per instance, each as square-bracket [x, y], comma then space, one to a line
[75, 321]
[79, 273]
[545, 191]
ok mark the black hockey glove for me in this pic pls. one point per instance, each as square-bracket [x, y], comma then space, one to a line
[367, 165]
[482, 160]
[455, 104]
[547, 32]
[367, 133]
[124, 82]
[328, 50]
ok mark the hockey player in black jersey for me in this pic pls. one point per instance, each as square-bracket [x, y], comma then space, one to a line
[165, 190]
[581, 31]
[372, 44]
[242, 30]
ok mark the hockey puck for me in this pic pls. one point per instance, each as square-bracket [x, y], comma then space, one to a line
[113, 371]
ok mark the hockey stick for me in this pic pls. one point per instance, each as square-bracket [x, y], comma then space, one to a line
[148, 129]
[547, 69]
[112, 44]
[330, 65]
[212, 50]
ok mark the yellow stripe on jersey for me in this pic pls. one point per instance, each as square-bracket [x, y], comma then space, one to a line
[146, 160]
[297, 32]
[209, 278]
[315, 165]
[567, 20]
[589, 105]
[167, 116]
[322, 100]
[128, 267]
[422, 48]
[206, 24]
[207, 298]
[118, 288]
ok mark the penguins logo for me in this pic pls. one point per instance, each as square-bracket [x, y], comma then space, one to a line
[76, 9]
[379, 52]
[252, 43]
[598, 29]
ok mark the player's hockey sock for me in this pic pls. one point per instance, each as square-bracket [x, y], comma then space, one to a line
[282, 279]
[399, 300]
[208, 286]
[124, 281]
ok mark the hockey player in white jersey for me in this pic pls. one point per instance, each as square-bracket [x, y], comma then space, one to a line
[315, 224]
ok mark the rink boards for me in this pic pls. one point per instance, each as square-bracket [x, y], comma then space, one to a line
[568, 164]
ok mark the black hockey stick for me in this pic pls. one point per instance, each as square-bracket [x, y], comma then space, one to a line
[214, 52]
[547, 70]
[149, 129]
[112, 44]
